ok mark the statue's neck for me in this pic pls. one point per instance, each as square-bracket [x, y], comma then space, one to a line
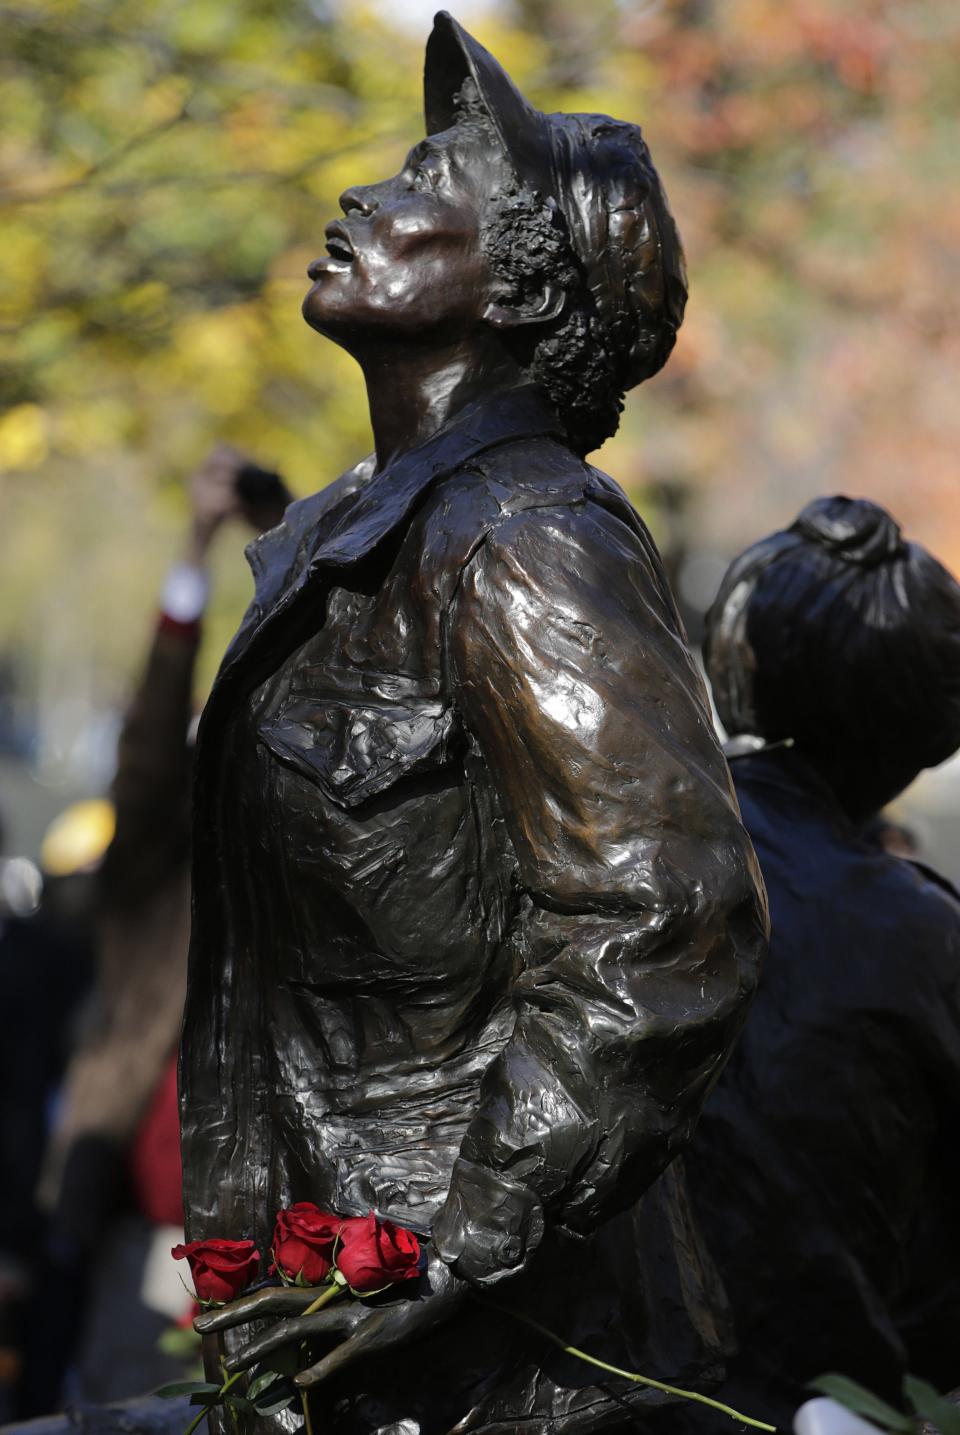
[413, 393]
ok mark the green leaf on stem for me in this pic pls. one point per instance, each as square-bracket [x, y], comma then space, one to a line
[260, 1383]
[271, 1389]
[285, 1397]
[863, 1402]
[186, 1387]
[239, 1402]
[933, 1407]
[206, 1397]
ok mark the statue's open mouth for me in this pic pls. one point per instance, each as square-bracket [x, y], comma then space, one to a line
[338, 243]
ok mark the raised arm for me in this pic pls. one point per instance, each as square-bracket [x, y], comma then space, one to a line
[642, 919]
[151, 788]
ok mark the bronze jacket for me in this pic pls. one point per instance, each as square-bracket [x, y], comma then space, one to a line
[476, 921]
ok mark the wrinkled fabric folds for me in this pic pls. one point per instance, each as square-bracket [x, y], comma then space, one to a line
[476, 921]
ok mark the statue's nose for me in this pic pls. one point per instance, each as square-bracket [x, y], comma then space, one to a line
[359, 197]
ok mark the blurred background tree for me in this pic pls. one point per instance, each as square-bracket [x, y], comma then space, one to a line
[166, 172]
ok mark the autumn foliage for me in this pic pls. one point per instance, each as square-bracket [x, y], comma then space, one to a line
[166, 170]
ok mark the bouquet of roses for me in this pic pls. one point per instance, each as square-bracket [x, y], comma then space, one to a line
[328, 1256]
[360, 1256]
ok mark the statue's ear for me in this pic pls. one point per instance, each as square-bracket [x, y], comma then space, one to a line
[540, 309]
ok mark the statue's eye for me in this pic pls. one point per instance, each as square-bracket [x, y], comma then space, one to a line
[423, 178]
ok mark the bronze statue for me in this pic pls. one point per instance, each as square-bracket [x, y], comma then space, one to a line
[476, 922]
[824, 1166]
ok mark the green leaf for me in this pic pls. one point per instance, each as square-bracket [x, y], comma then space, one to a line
[186, 1387]
[281, 1403]
[239, 1402]
[206, 1397]
[933, 1407]
[862, 1402]
[260, 1383]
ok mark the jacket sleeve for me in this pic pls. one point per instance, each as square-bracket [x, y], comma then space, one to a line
[641, 917]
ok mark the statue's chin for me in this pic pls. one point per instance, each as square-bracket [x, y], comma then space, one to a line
[318, 314]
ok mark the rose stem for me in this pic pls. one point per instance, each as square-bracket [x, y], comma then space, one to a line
[630, 1375]
[324, 1298]
[207, 1408]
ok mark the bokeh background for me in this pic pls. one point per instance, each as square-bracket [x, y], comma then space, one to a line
[166, 171]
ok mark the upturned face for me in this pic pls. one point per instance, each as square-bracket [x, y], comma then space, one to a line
[406, 259]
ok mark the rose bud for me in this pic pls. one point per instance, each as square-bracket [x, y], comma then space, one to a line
[220, 1269]
[375, 1254]
[303, 1242]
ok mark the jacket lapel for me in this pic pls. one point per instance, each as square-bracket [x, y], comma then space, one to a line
[320, 536]
[278, 556]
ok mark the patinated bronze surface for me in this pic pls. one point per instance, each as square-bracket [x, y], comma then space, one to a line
[825, 1165]
[476, 922]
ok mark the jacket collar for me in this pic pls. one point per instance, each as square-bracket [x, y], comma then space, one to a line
[386, 501]
[318, 535]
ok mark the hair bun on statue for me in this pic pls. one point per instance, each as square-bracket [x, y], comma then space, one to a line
[839, 634]
[854, 529]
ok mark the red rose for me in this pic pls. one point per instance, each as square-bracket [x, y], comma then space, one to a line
[220, 1269]
[303, 1242]
[373, 1254]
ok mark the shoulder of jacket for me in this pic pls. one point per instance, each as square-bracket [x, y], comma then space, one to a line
[937, 880]
[929, 898]
[514, 491]
[560, 492]
[914, 920]
[525, 472]
[464, 507]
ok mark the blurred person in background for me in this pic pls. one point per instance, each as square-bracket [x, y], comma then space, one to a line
[112, 1172]
[826, 1164]
[46, 962]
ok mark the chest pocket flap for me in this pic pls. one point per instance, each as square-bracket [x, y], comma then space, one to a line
[355, 751]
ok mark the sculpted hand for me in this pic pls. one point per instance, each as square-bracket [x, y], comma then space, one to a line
[355, 1328]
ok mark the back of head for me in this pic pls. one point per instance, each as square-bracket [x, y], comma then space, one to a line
[842, 636]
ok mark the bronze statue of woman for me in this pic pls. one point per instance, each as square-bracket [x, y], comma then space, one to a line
[476, 922]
